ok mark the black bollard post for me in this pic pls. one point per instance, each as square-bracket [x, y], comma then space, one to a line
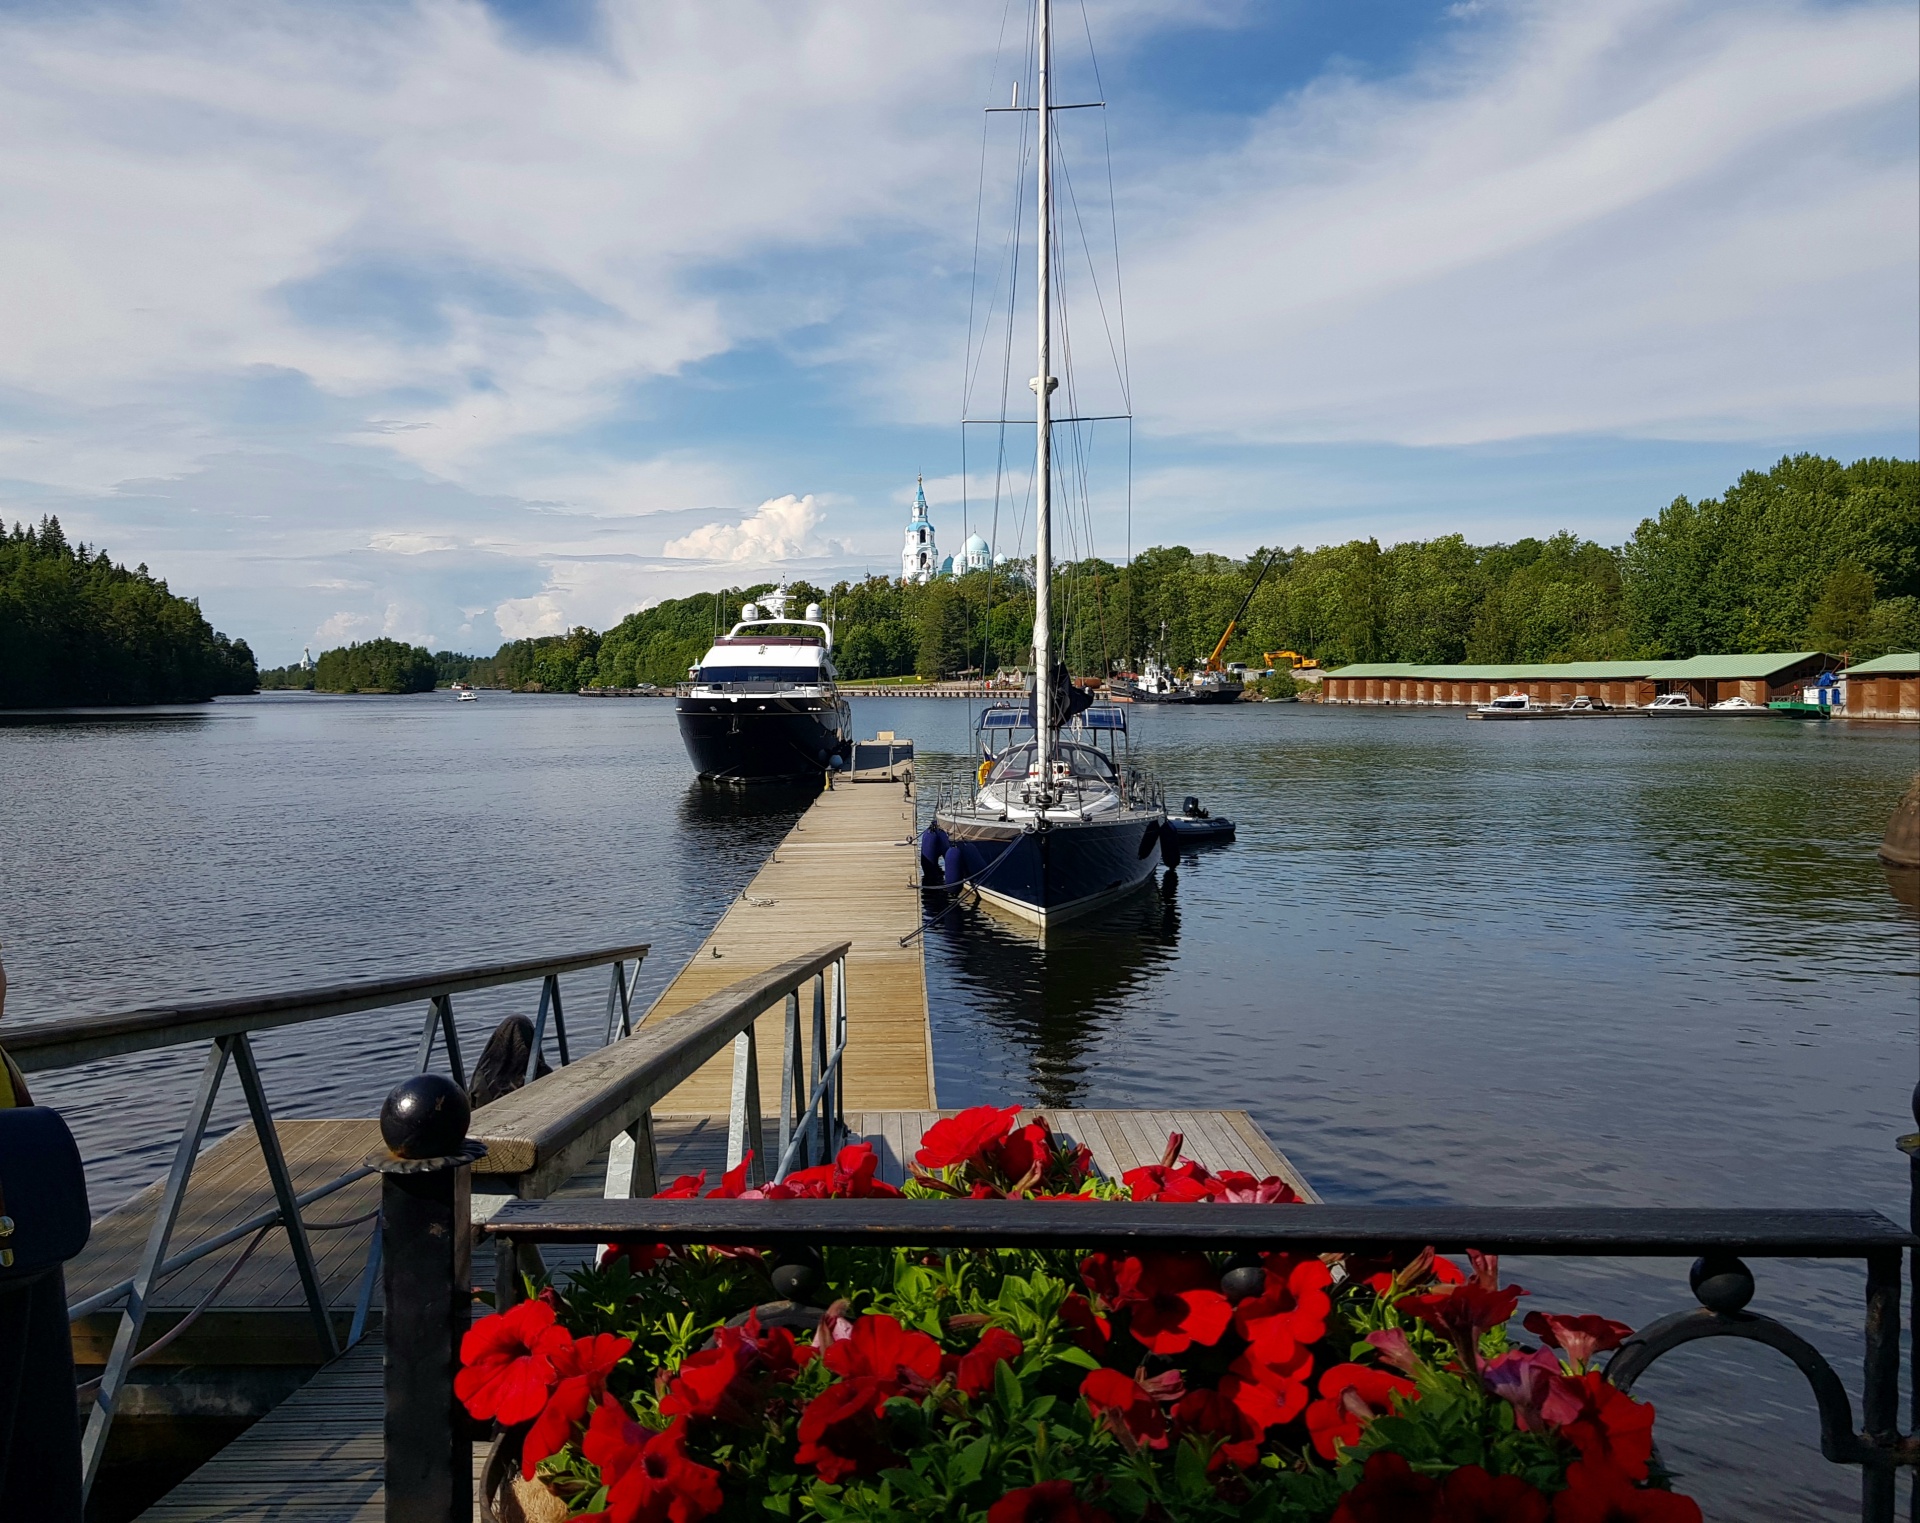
[427, 1264]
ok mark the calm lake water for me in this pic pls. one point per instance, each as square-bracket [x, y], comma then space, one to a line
[1611, 963]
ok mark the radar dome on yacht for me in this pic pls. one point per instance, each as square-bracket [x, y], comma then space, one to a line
[813, 613]
[748, 611]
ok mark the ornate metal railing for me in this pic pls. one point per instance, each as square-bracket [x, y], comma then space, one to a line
[1720, 1279]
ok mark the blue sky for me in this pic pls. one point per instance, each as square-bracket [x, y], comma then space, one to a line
[453, 322]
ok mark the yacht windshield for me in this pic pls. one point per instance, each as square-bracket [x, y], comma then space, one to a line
[1078, 762]
[804, 676]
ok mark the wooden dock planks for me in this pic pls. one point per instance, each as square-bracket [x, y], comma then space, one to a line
[229, 1185]
[848, 870]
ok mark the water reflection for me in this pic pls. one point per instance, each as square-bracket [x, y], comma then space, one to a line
[1052, 996]
[103, 719]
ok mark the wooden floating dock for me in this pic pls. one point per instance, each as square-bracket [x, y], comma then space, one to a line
[846, 873]
[848, 870]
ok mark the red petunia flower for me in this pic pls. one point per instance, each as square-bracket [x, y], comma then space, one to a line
[1579, 1338]
[1351, 1396]
[1612, 1429]
[565, 1410]
[1384, 1280]
[1269, 1394]
[975, 1372]
[642, 1258]
[1177, 1183]
[841, 1432]
[965, 1137]
[1464, 1312]
[1600, 1494]
[649, 1477]
[1390, 1492]
[582, 1368]
[849, 1177]
[1232, 1187]
[686, 1187]
[1394, 1348]
[879, 1347]
[1470, 1495]
[1291, 1312]
[733, 1183]
[1216, 1415]
[1173, 1298]
[1531, 1384]
[1126, 1407]
[506, 1363]
[1047, 1502]
[729, 1382]
[1090, 1330]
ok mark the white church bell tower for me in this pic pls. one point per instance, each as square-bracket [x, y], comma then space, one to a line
[919, 560]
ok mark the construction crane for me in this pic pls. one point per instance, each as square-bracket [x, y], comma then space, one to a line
[1213, 661]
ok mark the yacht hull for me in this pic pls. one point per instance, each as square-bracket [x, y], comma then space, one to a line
[764, 739]
[1051, 875]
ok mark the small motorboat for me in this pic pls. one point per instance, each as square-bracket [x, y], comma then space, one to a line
[1512, 706]
[1193, 825]
[464, 694]
[1739, 706]
[1673, 703]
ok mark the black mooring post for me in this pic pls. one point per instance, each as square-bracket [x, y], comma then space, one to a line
[427, 1265]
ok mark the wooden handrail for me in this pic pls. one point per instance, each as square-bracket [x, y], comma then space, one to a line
[42, 1045]
[549, 1130]
[1631, 1231]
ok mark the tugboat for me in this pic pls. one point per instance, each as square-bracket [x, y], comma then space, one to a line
[1053, 826]
[763, 707]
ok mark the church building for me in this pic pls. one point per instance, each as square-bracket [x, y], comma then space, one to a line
[920, 558]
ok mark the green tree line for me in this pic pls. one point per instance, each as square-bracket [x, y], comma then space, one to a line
[1809, 555]
[76, 629]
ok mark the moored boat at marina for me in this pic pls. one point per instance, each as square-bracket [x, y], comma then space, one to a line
[763, 706]
[1050, 831]
[1053, 826]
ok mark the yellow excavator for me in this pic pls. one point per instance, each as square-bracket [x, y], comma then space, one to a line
[1293, 658]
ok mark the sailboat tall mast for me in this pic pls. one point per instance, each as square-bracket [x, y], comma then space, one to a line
[1043, 384]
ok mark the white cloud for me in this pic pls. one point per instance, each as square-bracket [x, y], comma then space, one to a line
[1651, 216]
[525, 618]
[780, 529]
[343, 627]
[400, 543]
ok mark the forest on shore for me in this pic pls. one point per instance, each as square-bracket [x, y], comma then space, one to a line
[78, 630]
[1811, 555]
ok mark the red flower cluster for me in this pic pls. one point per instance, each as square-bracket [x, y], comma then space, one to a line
[877, 1359]
[1048, 1502]
[521, 1364]
[851, 1176]
[1391, 1491]
[996, 1158]
[1191, 1181]
[1463, 1312]
[1172, 1305]
[1351, 1396]
[733, 1380]
[648, 1475]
